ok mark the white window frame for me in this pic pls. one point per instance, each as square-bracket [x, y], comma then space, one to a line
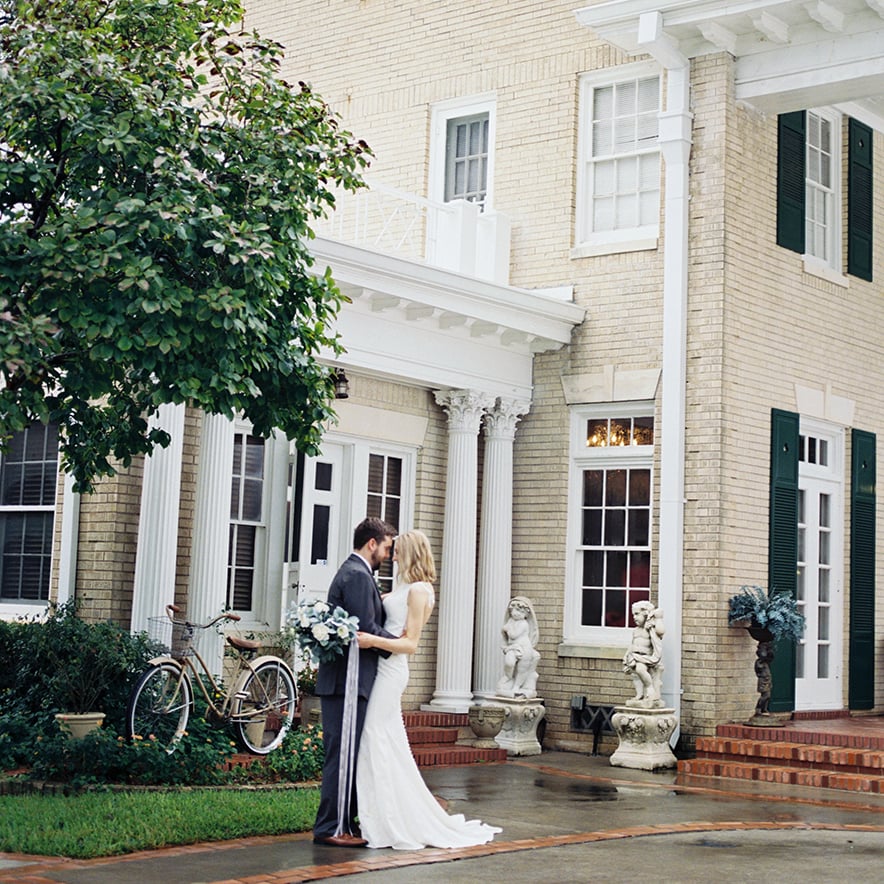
[827, 266]
[442, 113]
[588, 242]
[575, 635]
[28, 607]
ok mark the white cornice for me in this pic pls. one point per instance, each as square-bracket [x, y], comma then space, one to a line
[416, 323]
[789, 54]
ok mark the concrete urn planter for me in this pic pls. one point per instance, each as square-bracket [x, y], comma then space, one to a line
[77, 725]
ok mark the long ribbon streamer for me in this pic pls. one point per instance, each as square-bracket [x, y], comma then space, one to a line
[347, 762]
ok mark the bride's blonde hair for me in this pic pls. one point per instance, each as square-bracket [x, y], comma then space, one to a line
[415, 558]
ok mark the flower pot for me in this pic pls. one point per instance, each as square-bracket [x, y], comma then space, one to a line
[76, 726]
[760, 633]
[486, 723]
[310, 708]
[255, 731]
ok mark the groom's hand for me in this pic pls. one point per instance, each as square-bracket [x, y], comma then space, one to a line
[365, 640]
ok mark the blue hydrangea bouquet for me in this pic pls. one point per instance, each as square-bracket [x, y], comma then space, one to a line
[322, 632]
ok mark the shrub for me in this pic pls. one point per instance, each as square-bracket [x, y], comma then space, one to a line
[299, 758]
[61, 663]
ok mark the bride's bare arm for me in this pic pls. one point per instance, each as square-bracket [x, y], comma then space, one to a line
[419, 608]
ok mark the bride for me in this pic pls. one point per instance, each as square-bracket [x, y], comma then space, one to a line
[395, 807]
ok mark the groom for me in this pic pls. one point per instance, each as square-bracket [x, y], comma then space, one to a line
[354, 589]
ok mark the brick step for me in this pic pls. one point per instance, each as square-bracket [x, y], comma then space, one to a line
[786, 734]
[444, 755]
[435, 719]
[802, 755]
[784, 775]
[439, 735]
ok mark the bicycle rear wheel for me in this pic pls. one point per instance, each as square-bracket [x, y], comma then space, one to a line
[264, 706]
[160, 705]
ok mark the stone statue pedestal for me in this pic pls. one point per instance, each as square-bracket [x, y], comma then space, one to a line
[519, 732]
[644, 737]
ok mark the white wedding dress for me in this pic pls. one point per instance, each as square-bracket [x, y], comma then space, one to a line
[395, 807]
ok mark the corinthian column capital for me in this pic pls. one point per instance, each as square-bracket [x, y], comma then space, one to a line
[464, 408]
[500, 422]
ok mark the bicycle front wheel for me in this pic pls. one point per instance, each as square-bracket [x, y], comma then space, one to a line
[264, 706]
[160, 705]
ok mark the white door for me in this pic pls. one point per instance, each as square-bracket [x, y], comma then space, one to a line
[818, 671]
[320, 544]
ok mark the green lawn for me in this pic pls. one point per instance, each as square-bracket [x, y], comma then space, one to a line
[91, 824]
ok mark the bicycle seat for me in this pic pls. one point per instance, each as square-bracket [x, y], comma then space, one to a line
[243, 644]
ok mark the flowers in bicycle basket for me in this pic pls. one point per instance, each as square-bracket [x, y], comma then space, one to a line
[323, 632]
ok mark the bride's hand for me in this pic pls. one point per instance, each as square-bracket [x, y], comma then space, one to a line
[365, 639]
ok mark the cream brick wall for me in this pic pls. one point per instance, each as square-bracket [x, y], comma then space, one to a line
[757, 324]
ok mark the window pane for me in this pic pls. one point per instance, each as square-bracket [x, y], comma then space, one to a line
[615, 568]
[254, 456]
[593, 482]
[640, 569]
[639, 487]
[376, 473]
[591, 613]
[825, 511]
[822, 666]
[615, 609]
[824, 585]
[394, 475]
[593, 568]
[323, 477]
[615, 528]
[615, 488]
[639, 527]
[319, 538]
[592, 528]
[252, 493]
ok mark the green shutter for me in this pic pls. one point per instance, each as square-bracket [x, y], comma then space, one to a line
[791, 165]
[783, 544]
[861, 667]
[859, 200]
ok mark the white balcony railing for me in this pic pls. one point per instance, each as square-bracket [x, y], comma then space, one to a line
[456, 236]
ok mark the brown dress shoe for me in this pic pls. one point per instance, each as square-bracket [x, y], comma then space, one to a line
[342, 840]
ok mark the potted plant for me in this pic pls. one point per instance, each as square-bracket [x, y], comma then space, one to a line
[767, 616]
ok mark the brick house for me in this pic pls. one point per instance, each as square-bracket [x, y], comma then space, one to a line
[614, 333]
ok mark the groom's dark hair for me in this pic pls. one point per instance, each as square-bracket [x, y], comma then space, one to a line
[372, 528]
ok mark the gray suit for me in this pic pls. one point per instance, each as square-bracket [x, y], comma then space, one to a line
[353, 589]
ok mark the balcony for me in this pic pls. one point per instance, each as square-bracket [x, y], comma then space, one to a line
[454, 236]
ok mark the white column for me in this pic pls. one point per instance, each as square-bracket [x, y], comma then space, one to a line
[457, 589]
[495, 543]
[157, 551]
[675, 143]
[208, 567]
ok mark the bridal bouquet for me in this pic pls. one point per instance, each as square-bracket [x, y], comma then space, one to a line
[322, 632]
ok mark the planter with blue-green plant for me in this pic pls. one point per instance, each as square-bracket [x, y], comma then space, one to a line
[768, 617]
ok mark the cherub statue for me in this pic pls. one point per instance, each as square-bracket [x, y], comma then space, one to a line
[520, 658]
[644, 659]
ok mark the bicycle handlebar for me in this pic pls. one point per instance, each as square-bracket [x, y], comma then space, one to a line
[226, 615]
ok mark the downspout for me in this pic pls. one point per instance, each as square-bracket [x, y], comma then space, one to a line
[675, 145]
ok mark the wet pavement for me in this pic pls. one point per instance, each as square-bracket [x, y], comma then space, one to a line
[566, 817]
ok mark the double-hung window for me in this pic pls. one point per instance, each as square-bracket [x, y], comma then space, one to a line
[810, 218]
[247, 526]
[462, 150]
[610, 512]
[28, 476]
[618, 178]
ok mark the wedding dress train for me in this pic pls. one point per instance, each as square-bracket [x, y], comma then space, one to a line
[395, 807]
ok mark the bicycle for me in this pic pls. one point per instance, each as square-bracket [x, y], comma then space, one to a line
[259, 706]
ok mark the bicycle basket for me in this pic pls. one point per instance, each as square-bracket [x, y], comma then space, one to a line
[177, 639]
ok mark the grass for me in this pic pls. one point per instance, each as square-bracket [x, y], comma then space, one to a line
[92, 824]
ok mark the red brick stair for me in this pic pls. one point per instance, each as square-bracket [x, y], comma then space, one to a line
[838, 755]
[433, 737]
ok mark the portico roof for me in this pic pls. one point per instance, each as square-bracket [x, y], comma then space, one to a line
[414, 322]
[789, 54]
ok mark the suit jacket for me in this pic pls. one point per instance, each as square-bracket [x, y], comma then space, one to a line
[353, 588]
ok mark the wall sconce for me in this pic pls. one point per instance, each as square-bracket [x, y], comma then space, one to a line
[342, 384]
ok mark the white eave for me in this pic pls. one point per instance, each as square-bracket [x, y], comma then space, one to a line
[788, 55]
[418, 323]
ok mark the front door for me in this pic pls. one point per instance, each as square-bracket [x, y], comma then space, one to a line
[818, 665]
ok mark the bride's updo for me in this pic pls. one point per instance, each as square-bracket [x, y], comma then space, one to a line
[415, 558]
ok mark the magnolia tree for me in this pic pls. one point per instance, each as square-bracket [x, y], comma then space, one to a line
[157, 184]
